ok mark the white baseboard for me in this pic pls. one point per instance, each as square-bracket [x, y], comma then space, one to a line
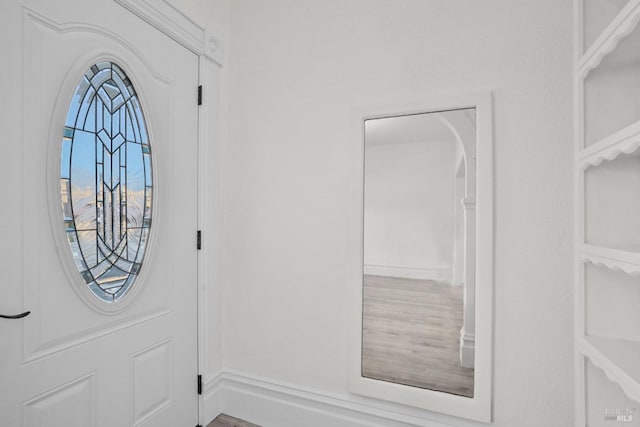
[270, 403]
[211, 399]
[467, 349]
[437, 274]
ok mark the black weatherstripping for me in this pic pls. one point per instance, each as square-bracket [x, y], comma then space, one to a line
[15, 316]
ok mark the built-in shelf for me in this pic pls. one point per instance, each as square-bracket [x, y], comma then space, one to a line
[617, 358]
[596, 16]
[620, 27]
[623, 142]
[607, 168]
[626, 259]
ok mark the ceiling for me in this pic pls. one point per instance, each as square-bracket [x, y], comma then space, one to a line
[412, 128]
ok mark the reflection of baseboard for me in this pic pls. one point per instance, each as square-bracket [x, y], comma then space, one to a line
[467, 349]
[438, 274]
[277, 403]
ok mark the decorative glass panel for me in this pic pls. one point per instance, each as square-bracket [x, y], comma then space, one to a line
[106, 181]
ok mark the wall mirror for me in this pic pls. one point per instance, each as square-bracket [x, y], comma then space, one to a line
[425, 260]
[419, 222]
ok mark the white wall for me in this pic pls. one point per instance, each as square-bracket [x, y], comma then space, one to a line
[409, 209]
[297, 68]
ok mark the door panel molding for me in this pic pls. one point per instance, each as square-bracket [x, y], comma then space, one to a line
[38, 350]
[49, 408]
[150, 370]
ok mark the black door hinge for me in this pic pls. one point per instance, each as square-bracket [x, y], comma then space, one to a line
[199, 240]
[199, 425]
[200, 95]
[199, 384]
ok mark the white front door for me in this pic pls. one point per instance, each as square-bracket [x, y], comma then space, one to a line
[76, 360]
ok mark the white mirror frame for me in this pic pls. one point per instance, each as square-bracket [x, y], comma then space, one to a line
[479, 406]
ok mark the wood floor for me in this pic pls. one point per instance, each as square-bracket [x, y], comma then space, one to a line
[411, 332]
[223, 420]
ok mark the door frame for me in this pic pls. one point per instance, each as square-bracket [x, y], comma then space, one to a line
[209, 49]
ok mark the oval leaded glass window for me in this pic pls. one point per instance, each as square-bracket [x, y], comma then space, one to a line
[106, 181]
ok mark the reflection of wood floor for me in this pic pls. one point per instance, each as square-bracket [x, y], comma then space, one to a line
[411, 332]
[223, 420]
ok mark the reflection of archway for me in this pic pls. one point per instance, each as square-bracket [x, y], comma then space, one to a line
[463, 129]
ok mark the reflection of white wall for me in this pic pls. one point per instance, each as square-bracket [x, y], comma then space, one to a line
[409, 209]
